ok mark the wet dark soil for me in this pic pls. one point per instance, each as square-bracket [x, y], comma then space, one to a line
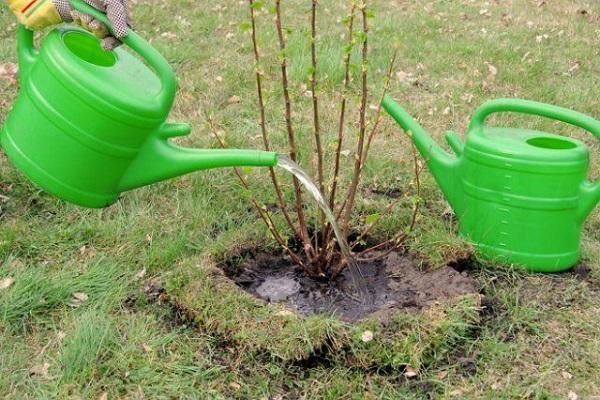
[395, 282]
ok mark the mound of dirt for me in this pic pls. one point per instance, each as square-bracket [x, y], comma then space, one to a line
[395, 282]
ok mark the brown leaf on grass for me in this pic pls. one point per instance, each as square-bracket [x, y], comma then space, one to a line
[235, 386]
[6, 282]
[141, 274]
[234, 99]
[146, 348]
[9, 71]
[566, 375]
[410, 372]
[367, 336]
[78, 299]
[40, 370]
[572, 395]
[103, 396]
[168, 35]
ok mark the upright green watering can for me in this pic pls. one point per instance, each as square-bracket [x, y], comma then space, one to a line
[521, 196]
[90, 124]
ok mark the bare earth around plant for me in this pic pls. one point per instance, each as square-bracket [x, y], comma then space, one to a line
[394, 283]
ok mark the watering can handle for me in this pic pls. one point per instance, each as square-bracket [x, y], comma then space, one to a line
[143, 48]
[590, 191]
[533, 108]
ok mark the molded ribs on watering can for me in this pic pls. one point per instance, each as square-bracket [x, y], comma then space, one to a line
[521, 196]
[89, 124]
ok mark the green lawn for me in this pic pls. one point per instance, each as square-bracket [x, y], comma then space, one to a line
[537, 336]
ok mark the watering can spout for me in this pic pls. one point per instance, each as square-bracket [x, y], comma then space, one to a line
[161, 160]
[442, 165]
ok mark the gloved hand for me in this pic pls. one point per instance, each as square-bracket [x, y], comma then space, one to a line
[39, 14]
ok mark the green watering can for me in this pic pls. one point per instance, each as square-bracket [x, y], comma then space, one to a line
[521, 196]
[90, 124]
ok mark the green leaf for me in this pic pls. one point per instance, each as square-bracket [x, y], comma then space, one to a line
[372, 218]
[257, 5]
[246, 26]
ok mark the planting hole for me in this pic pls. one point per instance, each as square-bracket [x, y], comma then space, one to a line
[88, 48]
[396, 282]
[551, 143]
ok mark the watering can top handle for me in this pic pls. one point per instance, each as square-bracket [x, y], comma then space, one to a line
[132, 40]
[140, 46]
[533, 108]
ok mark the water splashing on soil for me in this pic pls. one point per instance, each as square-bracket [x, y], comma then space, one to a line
[355, 273]
[394, 283]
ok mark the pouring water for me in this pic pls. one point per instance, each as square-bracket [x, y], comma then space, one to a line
[357, 277]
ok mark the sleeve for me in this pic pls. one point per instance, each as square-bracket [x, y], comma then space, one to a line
[35, 14]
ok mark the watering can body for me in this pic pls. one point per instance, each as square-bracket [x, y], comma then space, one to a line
[521, 196]
[90, 124]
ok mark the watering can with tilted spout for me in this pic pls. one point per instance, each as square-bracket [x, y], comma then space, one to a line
[89, 124]
[521, 196]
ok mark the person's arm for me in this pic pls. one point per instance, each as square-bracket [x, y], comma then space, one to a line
[39, 14]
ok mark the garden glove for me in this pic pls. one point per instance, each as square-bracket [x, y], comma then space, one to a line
[39, 14]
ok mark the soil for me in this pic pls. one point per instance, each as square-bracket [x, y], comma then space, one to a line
[395, 282]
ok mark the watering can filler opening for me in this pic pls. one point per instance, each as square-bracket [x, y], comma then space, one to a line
[89, 124]
[521, 196]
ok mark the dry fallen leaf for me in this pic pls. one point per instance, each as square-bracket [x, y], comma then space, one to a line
[234, 99]
[572, 395]
[141, 274]
[78, 299]
[367, 336]
[146, 348]
[9, 71]
[6, 282]
[467, 97]
[103, 396]
[40, 370]
[235, 385]
[284, 313]
[566, 375]
[168, 35]
[410, 372]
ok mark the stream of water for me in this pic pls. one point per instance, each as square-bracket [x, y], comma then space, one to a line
[357, 277]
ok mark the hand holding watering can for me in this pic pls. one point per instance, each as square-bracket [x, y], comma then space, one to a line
[40, 14]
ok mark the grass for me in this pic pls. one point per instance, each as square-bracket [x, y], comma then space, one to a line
[537, 336]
